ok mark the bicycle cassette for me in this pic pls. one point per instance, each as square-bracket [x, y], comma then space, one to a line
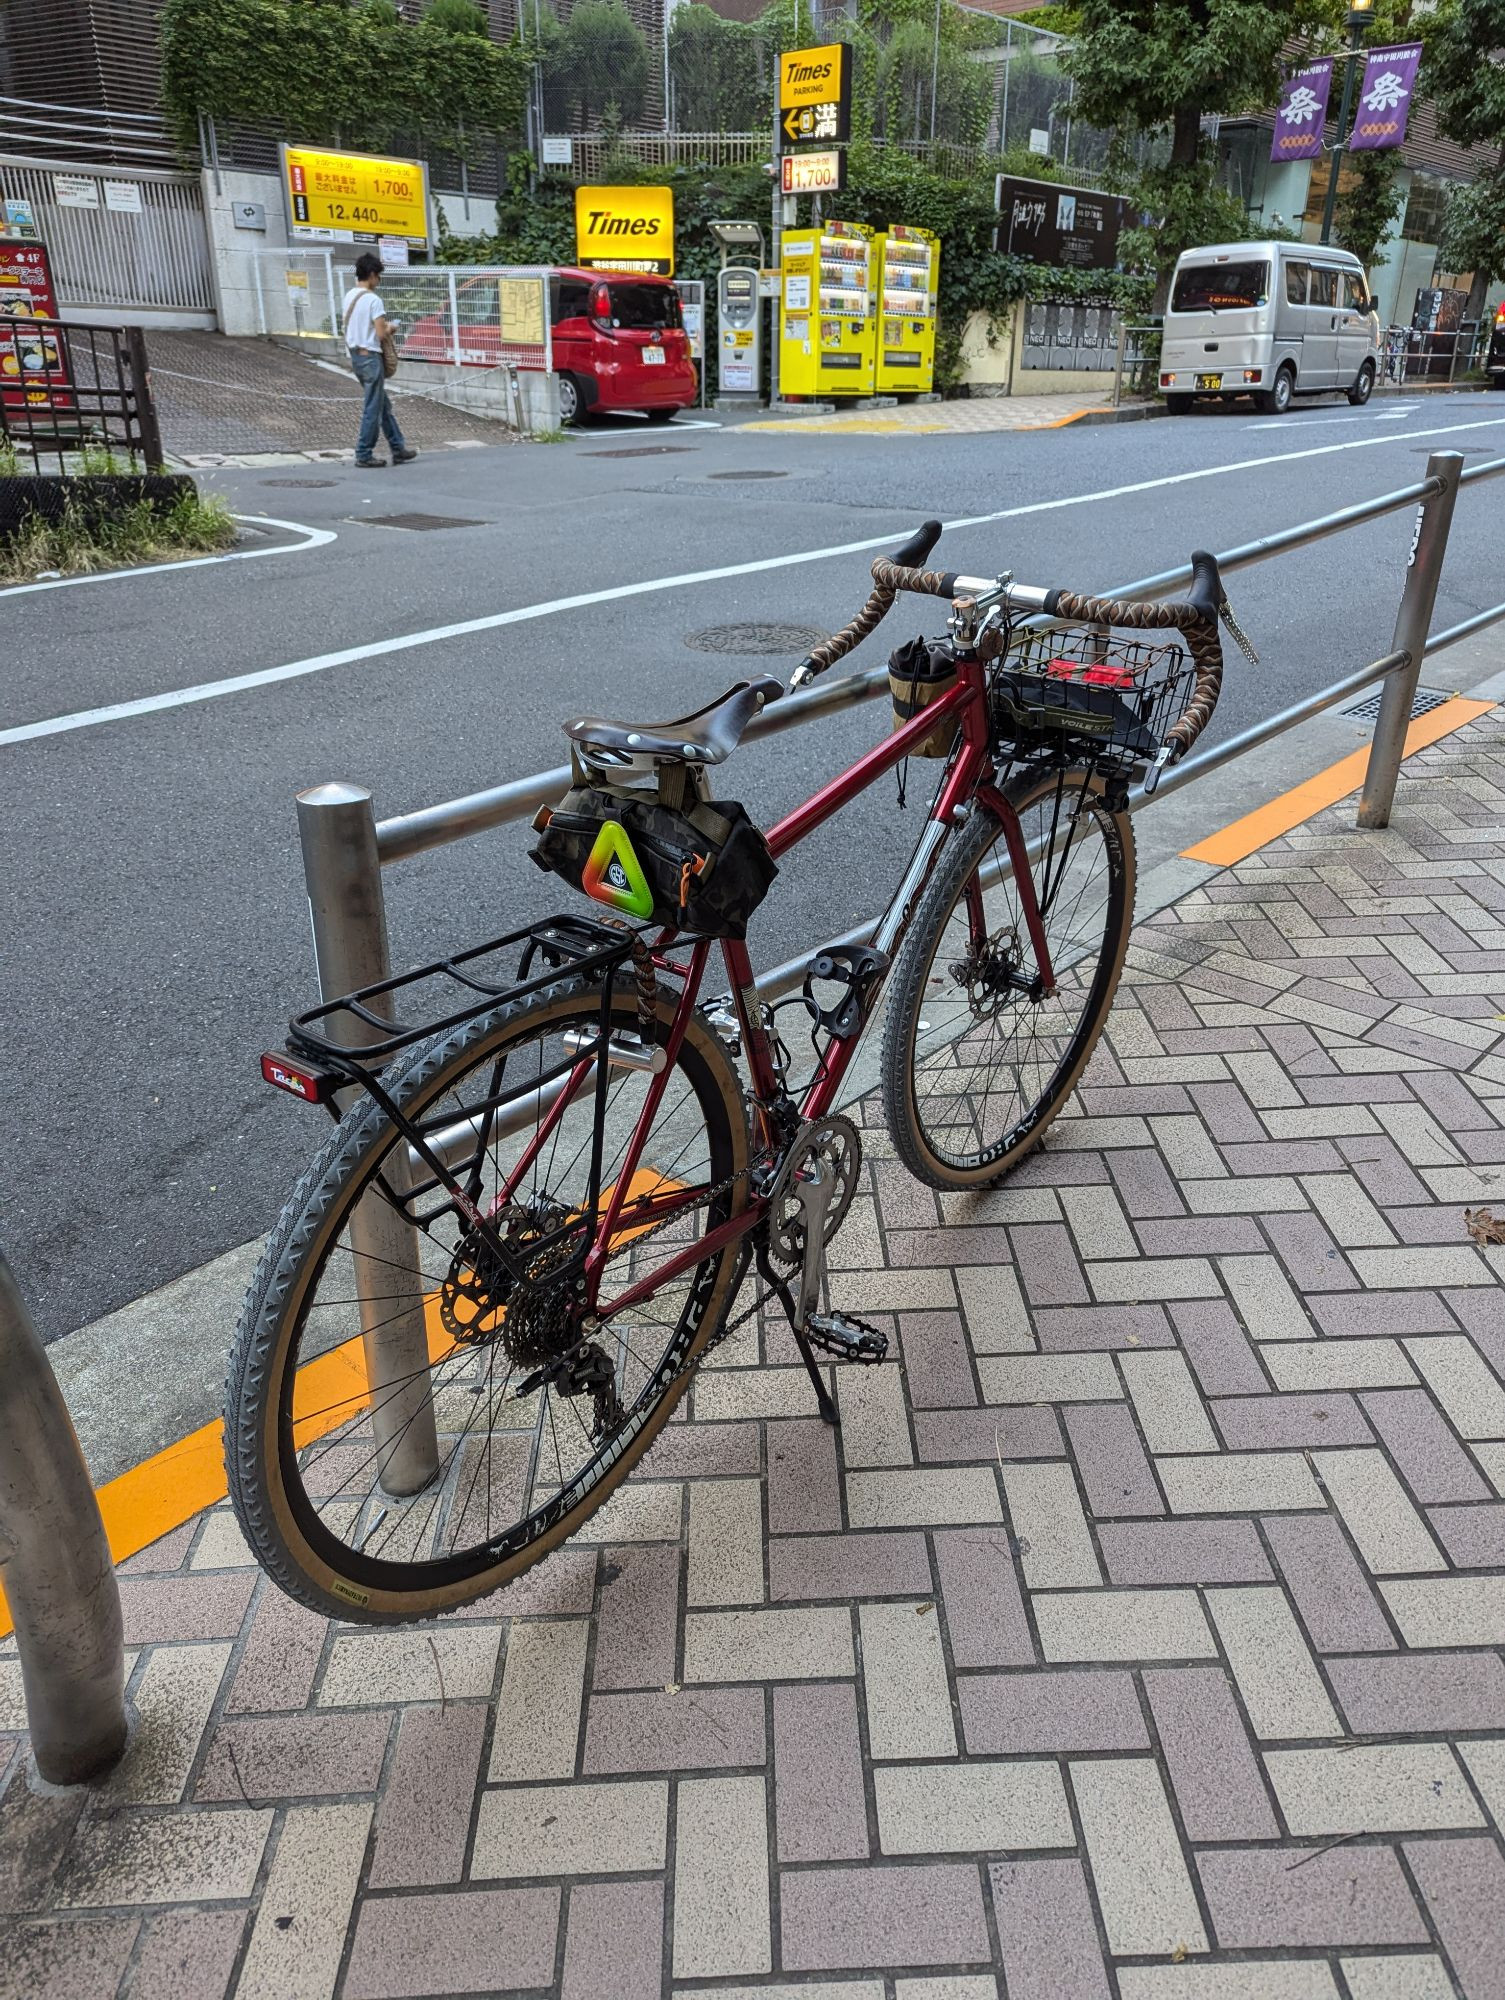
[829, 1151]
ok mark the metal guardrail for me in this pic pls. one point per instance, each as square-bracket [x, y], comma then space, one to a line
[55, 1565]
[1415, 354]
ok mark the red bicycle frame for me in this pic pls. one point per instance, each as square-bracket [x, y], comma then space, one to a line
[969, 778]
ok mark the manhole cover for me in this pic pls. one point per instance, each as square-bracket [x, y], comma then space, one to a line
[421, 522]
[1426, 700]
[639, 451]
[299, 482]
[747, 475]
[795, 640]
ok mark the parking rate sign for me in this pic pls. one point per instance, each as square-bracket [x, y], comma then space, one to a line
[345, 197]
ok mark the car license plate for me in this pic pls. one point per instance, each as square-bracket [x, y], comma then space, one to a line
[657, 354]
[1209, 381]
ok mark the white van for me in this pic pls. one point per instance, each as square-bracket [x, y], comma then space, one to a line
[1271, 321]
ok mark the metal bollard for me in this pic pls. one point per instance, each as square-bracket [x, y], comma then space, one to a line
[1413, 622]
[341, 867]
[55, 1565]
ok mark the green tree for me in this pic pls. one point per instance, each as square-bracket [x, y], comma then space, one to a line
[456, 17]
[1148, 63]
[716, 72]
[1368, 206]
[604, 60]
[1463, 71]
[922, 89]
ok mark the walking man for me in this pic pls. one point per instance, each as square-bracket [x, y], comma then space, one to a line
[365, 324]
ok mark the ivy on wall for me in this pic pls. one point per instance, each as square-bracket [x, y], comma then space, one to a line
[325, 72]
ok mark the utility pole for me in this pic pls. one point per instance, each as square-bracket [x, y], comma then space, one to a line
[1358, 19]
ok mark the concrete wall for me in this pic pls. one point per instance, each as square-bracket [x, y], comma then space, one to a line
[992, 364]
[488, 392]
[233, 251]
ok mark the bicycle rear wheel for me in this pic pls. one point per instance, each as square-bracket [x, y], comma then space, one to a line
[973, 1068]
[500, 1477]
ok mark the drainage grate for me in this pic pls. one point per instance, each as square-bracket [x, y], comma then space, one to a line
[639, 451]
[1426, 700]
[422, 523]
[747, 475]
[793, 640]
[299, 482]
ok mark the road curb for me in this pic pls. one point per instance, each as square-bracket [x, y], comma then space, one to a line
[1126, 413]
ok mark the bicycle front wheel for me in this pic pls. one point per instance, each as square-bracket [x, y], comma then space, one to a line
[975, 1065]
[399, 1437]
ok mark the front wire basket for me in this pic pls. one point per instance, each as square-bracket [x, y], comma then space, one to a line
[1107, 701]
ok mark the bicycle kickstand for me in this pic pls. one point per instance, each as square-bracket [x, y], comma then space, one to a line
[785, 1297]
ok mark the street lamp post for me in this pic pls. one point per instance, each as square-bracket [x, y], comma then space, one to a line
[1358, 19]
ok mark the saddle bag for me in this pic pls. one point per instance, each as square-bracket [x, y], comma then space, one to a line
[918, 674]
[694, 865]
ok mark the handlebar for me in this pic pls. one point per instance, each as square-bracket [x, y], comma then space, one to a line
[1196, 615]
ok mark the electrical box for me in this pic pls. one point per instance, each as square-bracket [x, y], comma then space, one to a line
[827, 311]
[908, 262]
[739, 315]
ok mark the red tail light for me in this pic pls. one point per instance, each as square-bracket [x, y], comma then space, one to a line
[600, 307]
[298, 1078]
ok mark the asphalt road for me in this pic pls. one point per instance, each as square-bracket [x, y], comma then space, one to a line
[154, 931]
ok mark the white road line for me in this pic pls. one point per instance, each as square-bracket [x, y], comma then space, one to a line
[314, 538]
[1307, 423]
[435, 635]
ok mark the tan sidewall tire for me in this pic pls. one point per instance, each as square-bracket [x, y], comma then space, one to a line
[272, 1526]
[913, 1148]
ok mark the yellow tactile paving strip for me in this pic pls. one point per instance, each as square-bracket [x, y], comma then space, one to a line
[989, 413]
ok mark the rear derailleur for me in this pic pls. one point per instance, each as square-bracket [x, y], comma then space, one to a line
[807, 1202]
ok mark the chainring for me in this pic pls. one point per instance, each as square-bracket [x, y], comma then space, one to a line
[835, 1143]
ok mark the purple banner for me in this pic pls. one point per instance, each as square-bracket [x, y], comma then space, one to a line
[1385, 97]
[1303, 106]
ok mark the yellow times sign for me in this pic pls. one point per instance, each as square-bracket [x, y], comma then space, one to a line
[625, 229]
[813, 76]
[348, 195]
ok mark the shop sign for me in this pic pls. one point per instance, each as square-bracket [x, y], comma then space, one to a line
[625, 229]
[1071, 228]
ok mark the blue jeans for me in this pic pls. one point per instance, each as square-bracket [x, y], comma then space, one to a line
[376, 413]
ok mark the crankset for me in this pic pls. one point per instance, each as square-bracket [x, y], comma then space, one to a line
[810, 1196]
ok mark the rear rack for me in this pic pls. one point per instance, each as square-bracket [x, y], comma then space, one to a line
[362, 1031]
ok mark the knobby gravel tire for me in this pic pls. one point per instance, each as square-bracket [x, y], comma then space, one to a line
[908, 994]
[310, 1223]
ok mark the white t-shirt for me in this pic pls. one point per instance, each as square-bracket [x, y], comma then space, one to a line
[360, 311]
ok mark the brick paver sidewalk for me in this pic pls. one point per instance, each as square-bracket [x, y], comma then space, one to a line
[1140, 1637]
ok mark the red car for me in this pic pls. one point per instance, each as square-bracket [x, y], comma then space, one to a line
[619, 341]
[619, 344]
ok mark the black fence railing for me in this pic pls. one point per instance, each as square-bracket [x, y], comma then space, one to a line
[67, 390]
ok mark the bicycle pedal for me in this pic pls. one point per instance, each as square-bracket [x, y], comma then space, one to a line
[847, 1338]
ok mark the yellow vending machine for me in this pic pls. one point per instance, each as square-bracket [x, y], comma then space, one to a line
[827, 317]
[909, 262]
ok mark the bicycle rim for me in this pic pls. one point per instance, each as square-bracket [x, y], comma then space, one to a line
[315, 1455]
[973, 1068]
